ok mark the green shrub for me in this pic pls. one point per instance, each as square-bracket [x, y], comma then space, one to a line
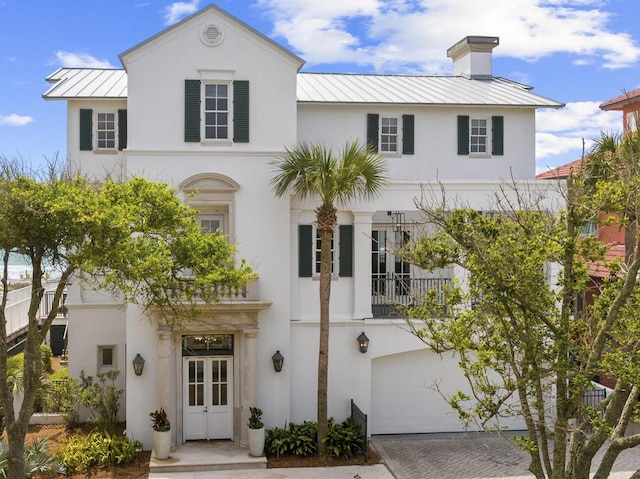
[298, 439]
[60, 374]
[101, 397]
[344, 439]
[84, 453]
[46, 354]
[36, 458]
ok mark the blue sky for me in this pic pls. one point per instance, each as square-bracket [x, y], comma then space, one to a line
[579, 52]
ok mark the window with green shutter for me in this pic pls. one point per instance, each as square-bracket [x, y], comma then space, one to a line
[346, 251]
[463, 135]
[241, 111]
[122, 129]
[86, 129]
[305, 251]
[408, 134]
[192, 110]
[497, 125]
[372, 130]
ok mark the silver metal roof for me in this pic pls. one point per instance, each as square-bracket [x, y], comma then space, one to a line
[71, 83]
[416, 90]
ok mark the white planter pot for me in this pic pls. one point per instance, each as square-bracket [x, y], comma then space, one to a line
[256, 442]
[162, 444]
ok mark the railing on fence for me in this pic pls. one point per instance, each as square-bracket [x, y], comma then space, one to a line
[360, 419]
[389, 295]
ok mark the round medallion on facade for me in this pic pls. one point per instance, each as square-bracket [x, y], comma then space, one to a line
[211, 35]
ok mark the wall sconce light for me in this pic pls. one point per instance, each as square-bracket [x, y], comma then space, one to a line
[363, 342]
[278, 360]
[138, 364]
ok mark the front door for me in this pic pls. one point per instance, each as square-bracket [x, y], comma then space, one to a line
[208, 397]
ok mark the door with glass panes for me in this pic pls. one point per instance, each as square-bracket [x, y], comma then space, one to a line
[208, 397]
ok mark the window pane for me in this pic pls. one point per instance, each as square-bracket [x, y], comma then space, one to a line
[215, 395]
[223, 371]
[107, 356]
[223, 395]
[199, 395]
[192, 395]
[215, 370]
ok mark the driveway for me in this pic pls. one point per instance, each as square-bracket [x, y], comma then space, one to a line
[468, 456]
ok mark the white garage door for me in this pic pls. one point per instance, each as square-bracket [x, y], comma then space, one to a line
[403, 395]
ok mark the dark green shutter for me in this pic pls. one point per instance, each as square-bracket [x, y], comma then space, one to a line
[305, 251]
[86, 129]
[192, 110]
[122, 129]
[497, 124]
[241, 111]
[408, 134]
[346, 251]
[463, 135]
[372, 130]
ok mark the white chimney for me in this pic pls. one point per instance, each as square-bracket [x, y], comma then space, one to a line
[472, 57]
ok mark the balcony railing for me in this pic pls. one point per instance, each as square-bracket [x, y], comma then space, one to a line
[47, 304]
[390, 295]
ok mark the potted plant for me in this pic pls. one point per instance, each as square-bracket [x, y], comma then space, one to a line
[161, 433]
[256, 432]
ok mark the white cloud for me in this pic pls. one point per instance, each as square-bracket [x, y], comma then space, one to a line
[81, 60]
[563, 135]
[398, 35]
[178, 10]
[15, 120]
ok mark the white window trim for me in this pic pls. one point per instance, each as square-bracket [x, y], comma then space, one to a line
[316, 253]
[203, 124]
[101, 367]
[222, 216]
[96, 141]
[487, 136]
[397, 135]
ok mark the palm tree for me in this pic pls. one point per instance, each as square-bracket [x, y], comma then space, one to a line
[312, 171]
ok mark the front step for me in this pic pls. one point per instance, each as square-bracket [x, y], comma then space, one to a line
[207, 456]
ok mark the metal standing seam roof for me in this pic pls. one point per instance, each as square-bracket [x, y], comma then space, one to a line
[405, 89]
[70, 83]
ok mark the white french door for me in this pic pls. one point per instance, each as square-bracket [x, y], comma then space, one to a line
[208, 397]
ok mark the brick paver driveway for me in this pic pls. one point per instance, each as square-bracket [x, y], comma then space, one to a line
[468, 456]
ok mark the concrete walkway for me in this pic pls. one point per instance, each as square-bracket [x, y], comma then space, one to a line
[377, 471]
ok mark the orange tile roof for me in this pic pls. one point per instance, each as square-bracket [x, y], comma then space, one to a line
[617, 102]
[597, 269]
[561, 172]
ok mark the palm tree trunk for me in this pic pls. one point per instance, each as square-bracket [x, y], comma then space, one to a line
[326, 215]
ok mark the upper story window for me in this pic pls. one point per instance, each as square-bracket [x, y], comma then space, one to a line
[216, 111]
[106, 131]
[389, 134]
[318, 245]
[103, 130]
[386, 134]
[309, 251]
[480, 136]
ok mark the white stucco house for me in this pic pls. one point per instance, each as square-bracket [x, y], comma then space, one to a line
[206, 105]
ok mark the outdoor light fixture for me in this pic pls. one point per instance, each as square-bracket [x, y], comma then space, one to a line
[363, 342]
[278, 360]
[138, 364]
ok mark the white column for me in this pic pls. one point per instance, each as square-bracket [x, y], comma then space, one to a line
[166, 380]
[295, 281]
[249, 381]
[362, 221]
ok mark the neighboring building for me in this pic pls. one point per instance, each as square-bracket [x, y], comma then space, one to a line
[629, 105]
[206, 105]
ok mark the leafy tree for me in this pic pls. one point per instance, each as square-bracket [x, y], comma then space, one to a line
[313, 171]
[523, 347]
[132, 237]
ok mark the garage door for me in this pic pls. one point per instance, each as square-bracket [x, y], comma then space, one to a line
[403, 398]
